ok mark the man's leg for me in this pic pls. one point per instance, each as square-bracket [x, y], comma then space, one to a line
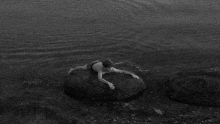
[76, 68]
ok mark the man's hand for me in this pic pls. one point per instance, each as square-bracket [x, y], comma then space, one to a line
[112, 87]
[135, 76]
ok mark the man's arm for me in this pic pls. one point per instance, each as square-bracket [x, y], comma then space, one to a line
[105, 81]
[123, 71]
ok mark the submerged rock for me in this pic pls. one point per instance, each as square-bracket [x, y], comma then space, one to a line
[200, 88]
[84, 84]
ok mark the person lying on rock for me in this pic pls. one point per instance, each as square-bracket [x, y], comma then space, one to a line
[102, 68]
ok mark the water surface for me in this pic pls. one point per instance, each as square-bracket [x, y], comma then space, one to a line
[60, 34]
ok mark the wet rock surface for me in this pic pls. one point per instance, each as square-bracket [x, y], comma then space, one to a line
[201, 88]
[84, 84]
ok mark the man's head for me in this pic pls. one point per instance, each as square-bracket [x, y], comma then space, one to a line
[107, 63]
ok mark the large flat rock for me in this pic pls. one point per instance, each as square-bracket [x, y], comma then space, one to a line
[84, 84]
[201, 88]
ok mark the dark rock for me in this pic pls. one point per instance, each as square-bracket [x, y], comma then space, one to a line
[200, 88]
[84, 84]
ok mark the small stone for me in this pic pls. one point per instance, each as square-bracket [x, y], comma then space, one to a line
[149, 119]
[158, 111]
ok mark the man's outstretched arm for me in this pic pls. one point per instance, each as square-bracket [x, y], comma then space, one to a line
[105, 81]
[123, 71]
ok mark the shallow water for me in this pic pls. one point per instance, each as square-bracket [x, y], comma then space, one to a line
[160, 36]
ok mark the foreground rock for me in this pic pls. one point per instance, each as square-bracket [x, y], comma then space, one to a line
[200, 88]
[84, 84]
